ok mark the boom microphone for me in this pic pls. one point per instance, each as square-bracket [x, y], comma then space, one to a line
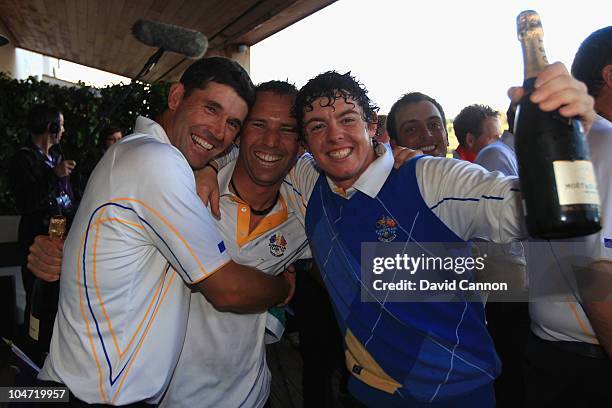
[168, 37]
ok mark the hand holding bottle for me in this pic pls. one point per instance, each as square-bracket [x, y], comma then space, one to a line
[557, 179]
[45, 296]
[555, 89]
[45, 258]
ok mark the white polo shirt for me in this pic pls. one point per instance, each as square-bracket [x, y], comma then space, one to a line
[223, 362]
[140, 235]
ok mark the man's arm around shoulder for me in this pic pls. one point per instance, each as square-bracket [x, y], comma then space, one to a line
[241, 289]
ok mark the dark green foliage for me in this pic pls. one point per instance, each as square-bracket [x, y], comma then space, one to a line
[82, 107]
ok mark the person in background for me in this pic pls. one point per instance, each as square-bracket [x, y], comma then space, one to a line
[476, 126]
[109, 136]
[39, 179]
[500, 155]
[417, 121]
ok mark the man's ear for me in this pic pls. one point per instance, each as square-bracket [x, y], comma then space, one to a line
[606, 75]
[175, 97]
[470, 139]
[372, 125]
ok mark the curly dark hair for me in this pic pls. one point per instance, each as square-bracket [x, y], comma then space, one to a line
[332, 86]
[470, 119]
[407, 99]
[594, 54]
[222, 71]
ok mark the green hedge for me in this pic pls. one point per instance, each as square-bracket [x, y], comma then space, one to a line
[81, 105]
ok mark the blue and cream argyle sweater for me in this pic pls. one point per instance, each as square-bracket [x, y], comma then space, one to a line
[432, 351]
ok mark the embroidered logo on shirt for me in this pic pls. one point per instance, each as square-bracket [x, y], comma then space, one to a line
[386, 229]
[278, 244]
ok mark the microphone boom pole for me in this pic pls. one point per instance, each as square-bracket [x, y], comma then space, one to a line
[165, 37]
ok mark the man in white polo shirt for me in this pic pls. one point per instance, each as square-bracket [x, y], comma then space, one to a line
[142, 238]
[223, 361]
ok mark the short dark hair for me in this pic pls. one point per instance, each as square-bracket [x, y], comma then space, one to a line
[594, 54]
[107, 131]
[470, 120]
[110, 130]
[333, 85]
[41, 116]
[407, 99]
[277, 87]
[222, 71]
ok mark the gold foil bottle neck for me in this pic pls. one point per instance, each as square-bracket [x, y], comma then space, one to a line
[531, 34]
[528, 24]
[57, 227]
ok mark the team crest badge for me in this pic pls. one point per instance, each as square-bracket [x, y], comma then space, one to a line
[278, 244]
[386, 229]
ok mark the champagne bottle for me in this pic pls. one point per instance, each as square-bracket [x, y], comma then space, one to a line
[556, 174]
[45, 296]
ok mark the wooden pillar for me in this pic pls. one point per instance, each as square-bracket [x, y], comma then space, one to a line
[238, 52]
[7, 53]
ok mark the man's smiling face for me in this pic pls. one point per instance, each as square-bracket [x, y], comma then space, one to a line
[269, 143]
[339, 138]
[420, 126]
[205, 121]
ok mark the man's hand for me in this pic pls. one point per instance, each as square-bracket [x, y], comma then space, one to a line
[207, 188]
[555, 88]
[45, 258]
[64, 168]
[402, 155]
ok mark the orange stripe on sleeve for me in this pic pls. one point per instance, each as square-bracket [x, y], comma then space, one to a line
[93, 349]
[211, 273]
[95, 281]
[582, 325]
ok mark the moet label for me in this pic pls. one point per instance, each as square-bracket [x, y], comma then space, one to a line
[34, 327]
[575, 182]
